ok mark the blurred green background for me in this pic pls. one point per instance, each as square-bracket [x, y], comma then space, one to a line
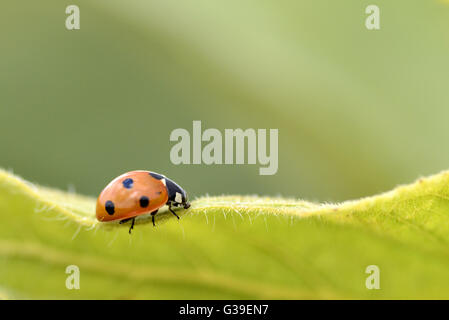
[358, 111]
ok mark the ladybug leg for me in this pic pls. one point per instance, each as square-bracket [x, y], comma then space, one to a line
[126, 220]
[152, 217]
[132, 225]
[171, 210]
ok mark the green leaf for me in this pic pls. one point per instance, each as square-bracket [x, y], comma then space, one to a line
[227, 247]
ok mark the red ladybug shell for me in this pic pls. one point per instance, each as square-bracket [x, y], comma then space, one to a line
[131, 194]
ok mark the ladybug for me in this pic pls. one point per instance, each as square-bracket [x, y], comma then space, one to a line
[136, 193]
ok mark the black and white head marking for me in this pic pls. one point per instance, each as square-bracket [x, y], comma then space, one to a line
[176, 195]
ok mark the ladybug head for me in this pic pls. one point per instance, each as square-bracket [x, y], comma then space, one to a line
[176, 194]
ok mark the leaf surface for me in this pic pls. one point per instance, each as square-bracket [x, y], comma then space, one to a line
[242, 247]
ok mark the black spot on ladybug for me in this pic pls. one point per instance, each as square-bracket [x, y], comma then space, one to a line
[144, 201]
[159, 192]
[128, 183]
[157, 176]
[109, 206]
